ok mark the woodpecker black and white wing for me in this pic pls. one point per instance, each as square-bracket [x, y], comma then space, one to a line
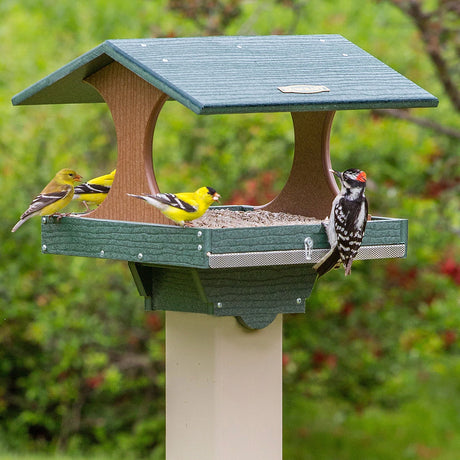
[351, 222]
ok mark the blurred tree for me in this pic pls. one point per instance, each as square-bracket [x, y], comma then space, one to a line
[81, 364]
[438, 25]
[211, 17]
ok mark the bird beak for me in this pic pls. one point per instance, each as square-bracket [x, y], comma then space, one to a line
[216, 197]
[77, 178]
[336, 173]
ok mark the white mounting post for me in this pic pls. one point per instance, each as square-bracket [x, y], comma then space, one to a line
[223, 389]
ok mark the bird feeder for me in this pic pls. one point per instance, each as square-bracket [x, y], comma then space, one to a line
[253, 274]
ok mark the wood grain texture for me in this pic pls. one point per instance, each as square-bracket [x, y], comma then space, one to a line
[233, 292]
[135, 106]
[189, 247]
[116, 240]
[284, 238]
[179, 289]
[310, 188]
[170, 264]
[242, 74]
[267, 290]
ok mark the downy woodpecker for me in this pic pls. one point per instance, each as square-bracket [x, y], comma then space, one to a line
[347, 222]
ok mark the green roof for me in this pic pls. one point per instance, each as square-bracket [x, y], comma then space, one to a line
[240, 74]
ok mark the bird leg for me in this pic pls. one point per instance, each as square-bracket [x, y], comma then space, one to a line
[60, 215]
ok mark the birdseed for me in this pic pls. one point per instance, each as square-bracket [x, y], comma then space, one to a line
[227, 218]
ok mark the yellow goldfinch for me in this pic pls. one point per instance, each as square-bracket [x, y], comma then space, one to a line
[55, 196]
[95, 190]
[182, 207]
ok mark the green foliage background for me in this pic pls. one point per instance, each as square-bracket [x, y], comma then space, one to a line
[373, 367]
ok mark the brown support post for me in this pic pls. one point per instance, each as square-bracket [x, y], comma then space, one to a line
[310, 188]
[135, 105]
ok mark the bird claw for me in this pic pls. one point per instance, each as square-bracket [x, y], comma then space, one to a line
[60, 215]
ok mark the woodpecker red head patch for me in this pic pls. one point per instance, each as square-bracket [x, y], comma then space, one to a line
[361, 177]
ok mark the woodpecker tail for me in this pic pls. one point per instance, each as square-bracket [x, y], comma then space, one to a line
[328, 262]
[348, 267]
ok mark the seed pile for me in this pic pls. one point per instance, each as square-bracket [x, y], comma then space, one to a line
[226, 218]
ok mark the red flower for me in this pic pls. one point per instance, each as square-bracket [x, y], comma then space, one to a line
[450, 268]
[322, 359]
[95, 381]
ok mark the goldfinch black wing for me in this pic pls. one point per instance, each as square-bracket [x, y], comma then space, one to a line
[43, 200]
[169, 199]
[90, 189]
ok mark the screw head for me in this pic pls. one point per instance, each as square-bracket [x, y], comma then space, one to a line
[219, 304]
[140, 256]
[199, 247]
[199, 234]
[44, 220]
[44, 248]
[102, 253]
[299, 301]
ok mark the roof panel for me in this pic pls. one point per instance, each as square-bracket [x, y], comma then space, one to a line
[241, 74]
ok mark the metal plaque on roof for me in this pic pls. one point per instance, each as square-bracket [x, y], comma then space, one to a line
[304, 89]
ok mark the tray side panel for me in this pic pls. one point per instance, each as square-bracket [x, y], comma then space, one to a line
[291, 237]
[131, 241]
[192, 247]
